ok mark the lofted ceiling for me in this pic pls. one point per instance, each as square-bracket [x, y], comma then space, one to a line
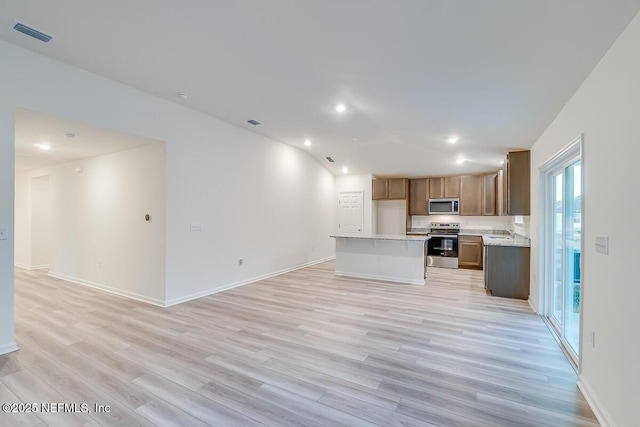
[412, 72]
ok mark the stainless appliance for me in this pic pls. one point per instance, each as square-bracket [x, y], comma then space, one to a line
[444, 206]
[442, 248]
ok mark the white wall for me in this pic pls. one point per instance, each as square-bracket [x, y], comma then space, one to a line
[265, 202]
[358, 183]
[606, 109]
[258, 199]
[23, 202]
[523, 228]
[40, 222]
[391, 216]
[93, 229]
[7, 167]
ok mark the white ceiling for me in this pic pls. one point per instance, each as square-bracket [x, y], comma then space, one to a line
[33, 128]
[493, 72]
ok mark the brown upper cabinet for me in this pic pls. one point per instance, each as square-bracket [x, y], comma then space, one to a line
[390, 189]
[379, 190]
[398, 188]
[419, 196]
[444, 187]
[498, 193]
[489, 194]
[478, 194]
[471, 195]
[517, 183]
[452, 186]
[436, 188]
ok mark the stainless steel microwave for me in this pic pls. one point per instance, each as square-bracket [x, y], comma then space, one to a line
[444, 206]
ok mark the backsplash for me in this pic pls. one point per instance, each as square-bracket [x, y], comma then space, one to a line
[523, 229]
[474, 222]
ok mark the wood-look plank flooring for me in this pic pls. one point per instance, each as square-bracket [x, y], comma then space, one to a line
[305, 348]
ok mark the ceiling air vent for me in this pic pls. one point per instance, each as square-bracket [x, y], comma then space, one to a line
[254, 122]
[330, 159]
[32, 32]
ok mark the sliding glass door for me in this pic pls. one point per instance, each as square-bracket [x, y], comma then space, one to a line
[563, 207]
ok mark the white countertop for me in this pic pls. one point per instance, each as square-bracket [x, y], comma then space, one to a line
[401, 237]
[483, 232]
[502, 240]
[490, 237]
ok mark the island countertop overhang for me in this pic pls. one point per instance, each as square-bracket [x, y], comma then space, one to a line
[399, 237]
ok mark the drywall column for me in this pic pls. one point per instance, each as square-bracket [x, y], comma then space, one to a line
[40, 222]
[22, 225]
[7, 166]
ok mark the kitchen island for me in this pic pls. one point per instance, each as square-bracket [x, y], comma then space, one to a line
[393, 258]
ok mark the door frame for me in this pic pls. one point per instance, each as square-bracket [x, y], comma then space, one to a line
[557, 162]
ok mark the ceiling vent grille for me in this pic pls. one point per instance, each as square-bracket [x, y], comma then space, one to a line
[254, 122]
[32, 32]
[330, 159]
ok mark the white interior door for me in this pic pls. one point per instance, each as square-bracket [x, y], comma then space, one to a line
[351, 217]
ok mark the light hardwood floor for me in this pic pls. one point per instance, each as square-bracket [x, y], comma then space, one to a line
[303, 348]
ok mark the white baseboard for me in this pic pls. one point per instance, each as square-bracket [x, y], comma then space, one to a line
[31, 267]
[169, 303]
[533, 307]
[109, 289]
[208, 292]
[383, 278]
[596, 406]
[8, 348]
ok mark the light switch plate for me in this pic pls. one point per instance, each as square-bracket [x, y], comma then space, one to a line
[3, 233]
[196, 226]
[602, 244]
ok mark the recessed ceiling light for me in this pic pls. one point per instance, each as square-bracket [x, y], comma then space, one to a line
[43, 146]
[345, 169]
[341, 108]
[307, 143]
[182, 95]
[453, 139]
[460, 161]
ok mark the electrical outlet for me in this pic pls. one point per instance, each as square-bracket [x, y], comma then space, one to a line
[195, 226]
[240, 261]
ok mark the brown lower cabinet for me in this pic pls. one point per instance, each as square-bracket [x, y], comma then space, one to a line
[470, 252]
[506, 271]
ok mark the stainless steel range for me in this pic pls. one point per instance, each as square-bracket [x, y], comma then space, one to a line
[442, 248]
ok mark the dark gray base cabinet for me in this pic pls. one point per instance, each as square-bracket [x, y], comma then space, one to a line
[506, 271]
